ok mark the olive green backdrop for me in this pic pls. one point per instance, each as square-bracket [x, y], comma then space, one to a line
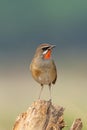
[23, 26]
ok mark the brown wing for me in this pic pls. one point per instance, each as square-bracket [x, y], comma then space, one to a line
[55, 71]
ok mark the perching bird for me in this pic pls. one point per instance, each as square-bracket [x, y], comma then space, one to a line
[42, 67]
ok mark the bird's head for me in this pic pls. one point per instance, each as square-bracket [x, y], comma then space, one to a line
[44, 51]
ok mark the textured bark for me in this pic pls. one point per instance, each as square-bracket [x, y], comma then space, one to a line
[77, 125]
[42, 115]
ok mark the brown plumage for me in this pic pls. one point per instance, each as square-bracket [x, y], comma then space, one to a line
[42, 67]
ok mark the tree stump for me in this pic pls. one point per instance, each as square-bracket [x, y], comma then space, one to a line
[42, 115]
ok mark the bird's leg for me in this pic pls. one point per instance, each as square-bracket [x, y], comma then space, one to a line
[50, 90]
[41, 90]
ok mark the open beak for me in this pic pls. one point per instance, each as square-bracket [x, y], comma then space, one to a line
[52, 46]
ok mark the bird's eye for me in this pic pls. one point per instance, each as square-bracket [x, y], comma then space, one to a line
[45, 48]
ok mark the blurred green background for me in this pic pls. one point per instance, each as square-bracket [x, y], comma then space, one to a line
[23, 26]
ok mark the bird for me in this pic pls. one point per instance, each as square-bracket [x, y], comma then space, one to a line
[43, 68]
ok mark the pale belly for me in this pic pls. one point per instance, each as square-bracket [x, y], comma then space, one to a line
[47, 76]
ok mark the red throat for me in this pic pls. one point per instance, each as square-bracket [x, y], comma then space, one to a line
[47, 55]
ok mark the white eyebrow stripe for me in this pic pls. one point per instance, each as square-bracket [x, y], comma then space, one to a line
[45, 46]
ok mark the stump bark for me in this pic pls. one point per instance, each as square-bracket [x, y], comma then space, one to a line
[77, 125]
[43, 115]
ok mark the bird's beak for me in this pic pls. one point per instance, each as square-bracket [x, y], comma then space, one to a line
[52, 46]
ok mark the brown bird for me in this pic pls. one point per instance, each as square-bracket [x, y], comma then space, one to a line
[43, 68]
